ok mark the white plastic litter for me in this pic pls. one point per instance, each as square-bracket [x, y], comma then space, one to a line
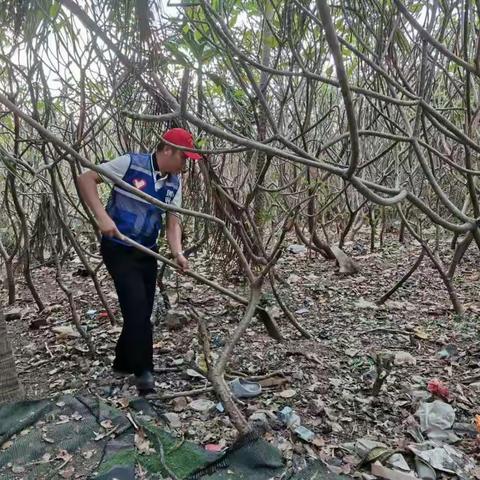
[436, 415]
[445, 458]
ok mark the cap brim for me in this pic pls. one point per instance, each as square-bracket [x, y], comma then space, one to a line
[193, 155]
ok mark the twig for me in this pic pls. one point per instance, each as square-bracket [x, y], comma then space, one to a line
[203, 336]
[407, 275]
[48, 350]
[256, 378]
[56, 470]
[383, 364]
[185, 393]
[161, 454]
[290, 316]
[386, 330]
[177, 445]
[131, 420]
[106, 434]
[471, 379]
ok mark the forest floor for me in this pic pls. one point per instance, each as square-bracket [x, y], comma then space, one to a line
[326, 380]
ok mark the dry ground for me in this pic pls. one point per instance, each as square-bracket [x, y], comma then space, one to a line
[327, 380]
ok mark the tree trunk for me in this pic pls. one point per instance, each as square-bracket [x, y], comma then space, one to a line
[10, 388]
[8, 260]
[259, 202]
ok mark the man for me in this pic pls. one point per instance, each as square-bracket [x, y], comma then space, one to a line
[134, 272]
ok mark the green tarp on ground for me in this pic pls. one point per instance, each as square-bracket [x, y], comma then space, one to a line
[49, 439]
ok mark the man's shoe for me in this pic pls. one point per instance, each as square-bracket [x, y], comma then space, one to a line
[145, 383]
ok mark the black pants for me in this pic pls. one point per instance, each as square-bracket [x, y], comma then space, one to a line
[134, 275]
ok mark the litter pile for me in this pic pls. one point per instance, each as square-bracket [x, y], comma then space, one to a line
[429, 455]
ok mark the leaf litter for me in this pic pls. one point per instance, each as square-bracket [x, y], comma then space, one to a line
[327, 380]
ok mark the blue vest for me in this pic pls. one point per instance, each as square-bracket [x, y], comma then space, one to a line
[134, 216]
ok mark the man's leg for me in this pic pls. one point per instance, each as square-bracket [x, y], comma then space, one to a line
[134, 347]
[145, 382]
[149, 270]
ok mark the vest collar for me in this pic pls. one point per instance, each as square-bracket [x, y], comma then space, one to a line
[157, 174]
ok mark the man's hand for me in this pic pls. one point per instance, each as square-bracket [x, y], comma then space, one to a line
[182, 262]
[107, 227]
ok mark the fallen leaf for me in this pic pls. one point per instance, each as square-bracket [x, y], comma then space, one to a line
[123, 402]
[173, 419]
[47, 439]
[142, 443]
[6, 445]
[193, 373]
[273, 381]
[287, 393]
[201, 405]
[362, 303]
[88, 454]
[404, 358]
[65, 331]
[421, 333]
[318, 441]
[179, 404]
[46, 458]
[106, 424]
[68, 472]
[351, 352]
[293, 278]
[62, 419]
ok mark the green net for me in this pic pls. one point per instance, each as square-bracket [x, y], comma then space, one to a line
[87, 438]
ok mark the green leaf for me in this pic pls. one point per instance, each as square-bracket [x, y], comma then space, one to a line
[8, 121]
[208, 55]
[402, 41]
[340, 26]
[248, 39]
[54, 9]
[416, 7]
[233, 20]
[200, 143]
[179, 57]
[271, 41]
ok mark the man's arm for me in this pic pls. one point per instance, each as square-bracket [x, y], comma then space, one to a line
[87, 183]
[174, 239]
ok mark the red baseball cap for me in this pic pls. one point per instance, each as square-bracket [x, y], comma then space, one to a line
[182, 138]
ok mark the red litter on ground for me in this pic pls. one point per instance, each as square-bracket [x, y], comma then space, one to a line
[103, 314]
[212, 447]
[437, 387]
